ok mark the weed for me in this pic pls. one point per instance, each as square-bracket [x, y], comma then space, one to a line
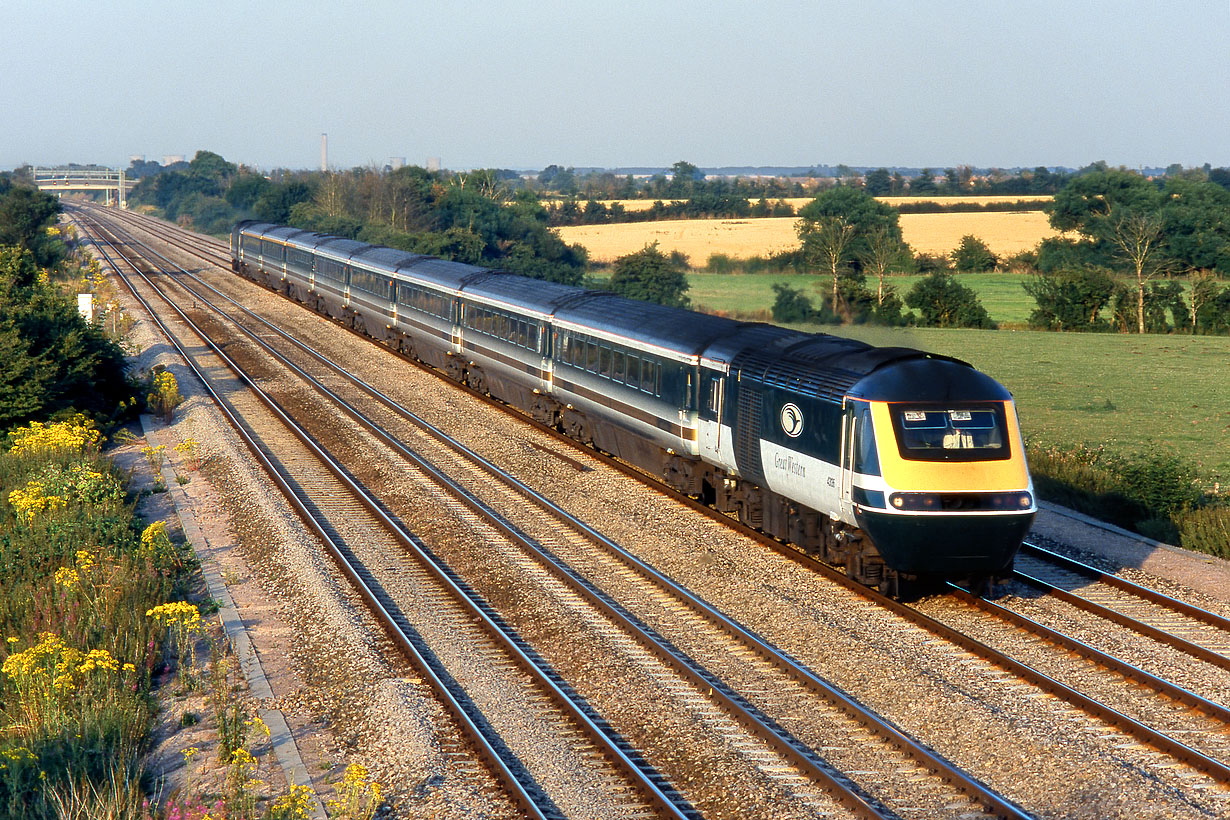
[164, 395]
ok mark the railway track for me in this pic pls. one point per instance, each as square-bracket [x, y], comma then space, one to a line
[1197, 632]
[914, 780]
[1137, 730]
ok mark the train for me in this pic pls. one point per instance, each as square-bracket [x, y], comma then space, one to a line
[895, 464]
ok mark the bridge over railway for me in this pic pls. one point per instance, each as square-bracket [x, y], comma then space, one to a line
[75, 178]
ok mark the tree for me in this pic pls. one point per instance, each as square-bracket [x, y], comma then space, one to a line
[1204, 291]
[1211, 307]
[1196, 232]
[883, 254]
[684, 179]
[878, 183]
[1136, 236]
[1086, 202]
[25, 215]
[51, 360]
[973, 256]
[212, 166]
[826, 244]
[275, 203]
[944, 302]
[651, 276]
[924, 183]
[245, 190]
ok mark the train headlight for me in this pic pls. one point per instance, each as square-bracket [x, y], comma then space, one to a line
[961, 502]
[916, 501]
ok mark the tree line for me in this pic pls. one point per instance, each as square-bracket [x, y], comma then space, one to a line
[1134, 236]
[1148, 256]
[53, 363]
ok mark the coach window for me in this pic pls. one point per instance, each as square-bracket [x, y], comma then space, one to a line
[633, 377]
[617, 367]
[647, 376]
[592, 356]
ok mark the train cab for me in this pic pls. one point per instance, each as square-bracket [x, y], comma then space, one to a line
[935, 468]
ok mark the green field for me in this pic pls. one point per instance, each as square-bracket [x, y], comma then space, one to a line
[1123, 391]
[749, 294]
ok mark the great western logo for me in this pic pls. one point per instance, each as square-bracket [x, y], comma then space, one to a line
[788, 464]
[792, 420]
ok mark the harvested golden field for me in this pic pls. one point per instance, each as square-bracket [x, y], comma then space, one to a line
[963, 200]
[799, 201]
[1005, 232]
[698, 238]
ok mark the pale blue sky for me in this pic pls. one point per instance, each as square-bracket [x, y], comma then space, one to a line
[527, 84]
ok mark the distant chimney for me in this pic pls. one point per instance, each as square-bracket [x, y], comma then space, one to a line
[324, 152]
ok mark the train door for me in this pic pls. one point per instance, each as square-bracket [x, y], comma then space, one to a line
[709, 415]
[849, 436]
[858, 452]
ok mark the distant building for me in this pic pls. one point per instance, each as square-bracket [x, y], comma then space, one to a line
[171, 159]
[397, 162]
[433, 163]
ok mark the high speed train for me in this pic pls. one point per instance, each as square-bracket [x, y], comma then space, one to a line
[894, 463]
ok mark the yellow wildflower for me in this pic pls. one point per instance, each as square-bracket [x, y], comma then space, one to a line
[76, 435]
[67, 578]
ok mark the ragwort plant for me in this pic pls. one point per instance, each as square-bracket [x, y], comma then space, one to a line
[77, 654]
[164, 395]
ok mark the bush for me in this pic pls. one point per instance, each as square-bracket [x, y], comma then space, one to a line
[1070, 298]
[78, 654]
[1153, 493]
[651, 276]
[973, 256]
[791, 305]
[1206, 530]
[942, 301]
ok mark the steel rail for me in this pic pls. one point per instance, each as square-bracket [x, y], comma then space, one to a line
[1152, 595]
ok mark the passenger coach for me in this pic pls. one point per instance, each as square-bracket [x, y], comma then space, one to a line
[890, 461]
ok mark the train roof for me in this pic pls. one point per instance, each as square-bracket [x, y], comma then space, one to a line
[826, 366]
[380, 257]
[533, 295]
[444, 274]
[753, 335]
[340, 249]
[681, 331]
[253, 227]
[929, 379]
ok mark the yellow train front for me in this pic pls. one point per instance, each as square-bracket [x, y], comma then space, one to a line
[939, 481]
